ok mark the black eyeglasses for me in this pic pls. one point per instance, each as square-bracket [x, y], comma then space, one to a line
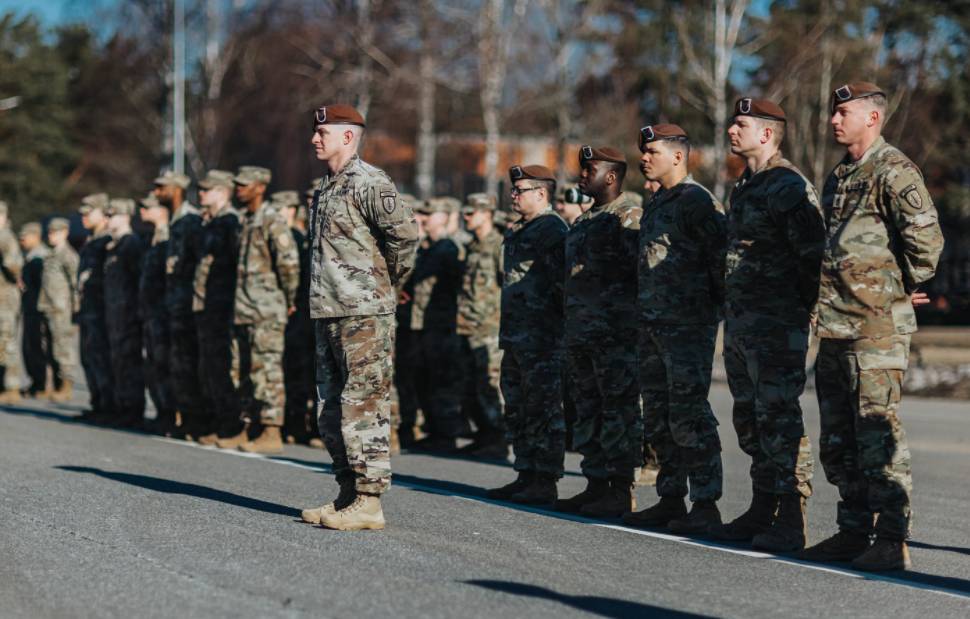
[518, 192]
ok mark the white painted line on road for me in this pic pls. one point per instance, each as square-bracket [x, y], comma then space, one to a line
[753, 554]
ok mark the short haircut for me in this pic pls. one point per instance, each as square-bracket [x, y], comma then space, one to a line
[615, 166]
[549, 186]
[879, 102]
[679, 143]
[777, 129]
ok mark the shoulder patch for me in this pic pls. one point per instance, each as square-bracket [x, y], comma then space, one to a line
[389, 201]
[912, 197]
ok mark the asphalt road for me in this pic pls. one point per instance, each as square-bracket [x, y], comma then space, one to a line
[97, 522]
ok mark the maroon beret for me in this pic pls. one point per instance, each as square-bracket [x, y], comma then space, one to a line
[339, 114]
[853, 91]
[531, 172]
[759, 108]
[663, 131]
[602, 153]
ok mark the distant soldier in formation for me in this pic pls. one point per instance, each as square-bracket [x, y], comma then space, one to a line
[406, 349]
[363, 243]
[601, 352]
[11, 264]
[883, 240]
[531, 338]
[58, 301]
[122, 271]
[36, 332]
[571, 203]
[680, 302]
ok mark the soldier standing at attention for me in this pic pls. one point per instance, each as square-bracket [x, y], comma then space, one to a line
[36, 332]
[362, 244]
[883, 240]
[267, 279]
[682, 244]
[11, 264]
[479, 312]
[213, 300]
[601, 352]
[531, 338]
[95, 352]
[181, 259]
[58, 302]
[156, 323]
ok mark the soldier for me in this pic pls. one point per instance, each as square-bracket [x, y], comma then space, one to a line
[268, 275]
[181, 259]
[156, 323]
[680, 299]
[883, 240]
[363, 242]
[601, 355]
[58, 301]
[571, 203]
[531, 338]
[407, 358]
[455, 231]
[11, 264]
[479, 311]
[212, 303]
[434, 286]
[36, 332]
[122, 271]
[95, 351]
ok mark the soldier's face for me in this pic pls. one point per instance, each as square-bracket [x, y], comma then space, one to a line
[164, 193]
[568, 210]
[436, 224]
[29, 241]
[247, 193]
[475, 219]
[216, 196]
[528, 200]
[327, 141]
[656, 161]
[851, 121]
[745, 134]
[56, 237]
[593, 177]
[92, 219]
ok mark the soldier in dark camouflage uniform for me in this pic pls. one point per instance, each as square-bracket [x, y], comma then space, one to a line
[600, 315]
[181, 259]
[883, 240]
[362, 243]
[36, 342]
[213, 300]
[58, 302]
[11, 264]
[122, 269]
[156, 332]
[681, 294]
[479, 312]
[95, 352]
[531, 338]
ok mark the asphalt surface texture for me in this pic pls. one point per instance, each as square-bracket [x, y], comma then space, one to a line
[106, 523]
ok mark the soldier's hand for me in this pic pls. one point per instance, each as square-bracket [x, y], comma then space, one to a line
[919, 298]
[291, 310]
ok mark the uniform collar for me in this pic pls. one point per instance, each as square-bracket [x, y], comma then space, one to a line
[186, 209]
[847, 166]
[331, 179]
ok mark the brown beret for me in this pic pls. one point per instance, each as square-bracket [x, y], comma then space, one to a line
[664, 131]
[531, 172]
[602, 153]
[853, 91]
[759, 108]
[339, 114]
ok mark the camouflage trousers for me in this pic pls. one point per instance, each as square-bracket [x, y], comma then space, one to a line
[609, 421]
[481, 361]
[36, 348]
[157, 343]
[532, 387]
[215, 367]
[127, 373]
[766, 375]
[184, 368]
[257, 371]
[96, 362]
[675, 379]
[8, 347]
[62, 347]
[353, 374]
[298, 349]
[863, 445]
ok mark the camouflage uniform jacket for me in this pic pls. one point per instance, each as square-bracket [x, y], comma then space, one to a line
[883, 240]
[122, 271]
[90, 275]
[601, 274]
[480, 298]
[683, 243]
[31, 277]
[58, 294]
[436, 281]
[268, 274]
[215, 275]
[11, 263]
[362, 242]
[532, 288]
[151, 284]
[775, 243]
[181, 259]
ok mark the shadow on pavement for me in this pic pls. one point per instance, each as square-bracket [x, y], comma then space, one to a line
[601, 606]
[169, 486]
[956, 549]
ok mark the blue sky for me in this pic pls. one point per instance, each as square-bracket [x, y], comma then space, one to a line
[51, 11]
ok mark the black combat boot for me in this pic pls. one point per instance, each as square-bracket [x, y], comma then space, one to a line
[884, 555]
[757, 519]
[505, 492]
[595, 488]
[787, 533]
[618, 500]
[843, 546]
[540, 491]
[703, 515]
[658, 516]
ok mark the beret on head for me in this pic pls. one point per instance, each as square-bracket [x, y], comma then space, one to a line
[217, 178]
[170, 178]
[31, 227]
[663, 131]
[600, 153]
[58, 224]
[249, 174]
[339, 114]
[120, 206]
[759, 108]
[479, 202]
[853, 91]
[531, 172]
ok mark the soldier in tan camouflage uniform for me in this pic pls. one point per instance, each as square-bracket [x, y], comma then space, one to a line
[362, 243]
[11, 264]
[267, 279]
[600, 315]
[35, 343]
[58, 301]
[883, 240]
[680, 297]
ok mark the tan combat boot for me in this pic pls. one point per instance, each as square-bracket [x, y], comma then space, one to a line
[9, 396]
[344, 498]
[234, 441]
[647, 474]
[270, 441]
[64, 393]
[364, 513]
[316, 442]
[787, 533]
[884, 555]
[757, 519]
[395, 443]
